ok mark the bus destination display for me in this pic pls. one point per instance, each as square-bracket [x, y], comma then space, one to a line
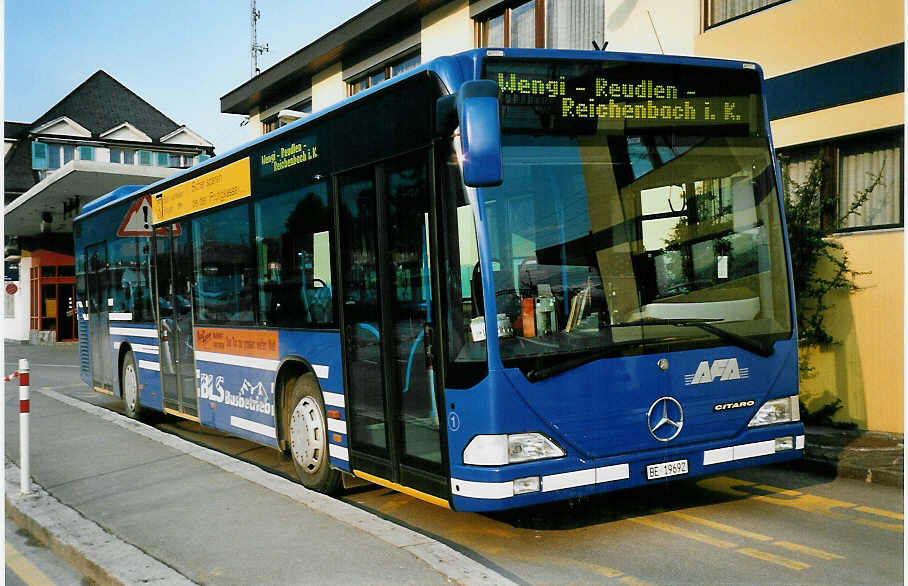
[550, 95]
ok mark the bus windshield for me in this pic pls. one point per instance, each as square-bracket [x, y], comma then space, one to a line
[639, 202]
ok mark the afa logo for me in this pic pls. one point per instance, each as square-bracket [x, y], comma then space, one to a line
[722, 369]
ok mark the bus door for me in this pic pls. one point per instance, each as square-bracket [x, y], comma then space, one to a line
[389, 334]
[96, 283]
[173, 256]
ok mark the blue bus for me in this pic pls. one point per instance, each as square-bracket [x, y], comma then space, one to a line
[504, 278]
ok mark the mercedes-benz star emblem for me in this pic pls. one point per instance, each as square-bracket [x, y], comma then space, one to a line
[665, 417]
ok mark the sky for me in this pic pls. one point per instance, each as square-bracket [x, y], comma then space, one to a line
[181, 56]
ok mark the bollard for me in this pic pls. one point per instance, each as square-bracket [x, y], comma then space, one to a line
[24, 474]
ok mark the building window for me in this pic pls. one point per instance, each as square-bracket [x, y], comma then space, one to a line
[69, 153]
[719, 11]
[553, 24]
[125, 156]
[87, 153]
[271, 123]
[875, 164]
[53, 156]
[376, 76]
[162, 159]
[274, 122]
[145, 158]
[852, 166]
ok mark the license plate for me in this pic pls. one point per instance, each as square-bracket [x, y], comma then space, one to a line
[666, 469]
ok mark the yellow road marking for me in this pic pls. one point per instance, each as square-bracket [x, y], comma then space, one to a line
[881, 513]
[805, 502]
[881, 525]
[696, 535]
[720, 526]
[817, 553]
[26, 570]
[633, 581]
[773, 558]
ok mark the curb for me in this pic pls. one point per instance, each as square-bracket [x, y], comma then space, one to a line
[873, 457]
[442, 558]
[97, 554]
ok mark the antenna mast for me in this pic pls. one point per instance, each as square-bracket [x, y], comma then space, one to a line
[256, 48]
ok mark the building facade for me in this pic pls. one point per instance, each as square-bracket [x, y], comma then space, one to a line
[98, 137]
[835, 91]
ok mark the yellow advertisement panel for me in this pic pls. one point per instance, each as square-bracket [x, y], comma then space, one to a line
[226, 184]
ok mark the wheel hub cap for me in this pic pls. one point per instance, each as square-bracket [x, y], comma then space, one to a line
[306, 435]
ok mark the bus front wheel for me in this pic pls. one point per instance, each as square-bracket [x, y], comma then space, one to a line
[308, 435]
[129, 385]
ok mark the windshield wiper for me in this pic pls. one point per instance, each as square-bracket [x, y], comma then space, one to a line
[749, 344]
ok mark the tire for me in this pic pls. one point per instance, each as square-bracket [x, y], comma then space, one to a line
[129, 387]
[307, 435]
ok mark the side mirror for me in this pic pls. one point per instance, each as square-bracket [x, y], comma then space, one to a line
[476, 109]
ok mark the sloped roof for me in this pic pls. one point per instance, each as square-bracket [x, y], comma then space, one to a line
[15, 130]
[101, 102]
[18, 176]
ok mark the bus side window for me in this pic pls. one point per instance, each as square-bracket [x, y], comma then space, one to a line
[293, 249]
[222, 253]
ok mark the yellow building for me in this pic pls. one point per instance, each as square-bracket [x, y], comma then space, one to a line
[835, 90]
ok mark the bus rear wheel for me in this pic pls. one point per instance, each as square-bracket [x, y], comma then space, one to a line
[129, 385]
[307, 432]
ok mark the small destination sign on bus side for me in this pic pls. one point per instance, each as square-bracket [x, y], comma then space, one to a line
[229, 183]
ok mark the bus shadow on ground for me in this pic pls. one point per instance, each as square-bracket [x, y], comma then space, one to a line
[665, 497]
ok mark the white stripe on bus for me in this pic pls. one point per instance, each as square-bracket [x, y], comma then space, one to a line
[337, 426]
[233, 360]
[113, 316]
[333, 399]
[482, 490]
[137, 332]
[339, 452]
[503, 490]
[145, 349]
[739, 452]
[321, 371]
[149, 365]
[612, 473]
[568, 479]
[253, 426]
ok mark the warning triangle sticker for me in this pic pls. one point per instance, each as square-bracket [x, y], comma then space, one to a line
[137, 221]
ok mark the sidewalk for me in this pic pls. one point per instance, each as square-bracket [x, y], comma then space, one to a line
[120, 496]
[870, 456]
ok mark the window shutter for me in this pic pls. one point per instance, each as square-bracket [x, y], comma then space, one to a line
[39, 156]
[87, 153]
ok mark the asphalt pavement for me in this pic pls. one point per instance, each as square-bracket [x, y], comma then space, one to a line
[126, 503]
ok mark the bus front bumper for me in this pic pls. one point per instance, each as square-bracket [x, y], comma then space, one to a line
[489, 489]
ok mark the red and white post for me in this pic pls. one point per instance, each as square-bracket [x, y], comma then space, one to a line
[24, 473]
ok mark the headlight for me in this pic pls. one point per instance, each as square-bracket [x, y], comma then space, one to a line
[782, 410]
[498, 450]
